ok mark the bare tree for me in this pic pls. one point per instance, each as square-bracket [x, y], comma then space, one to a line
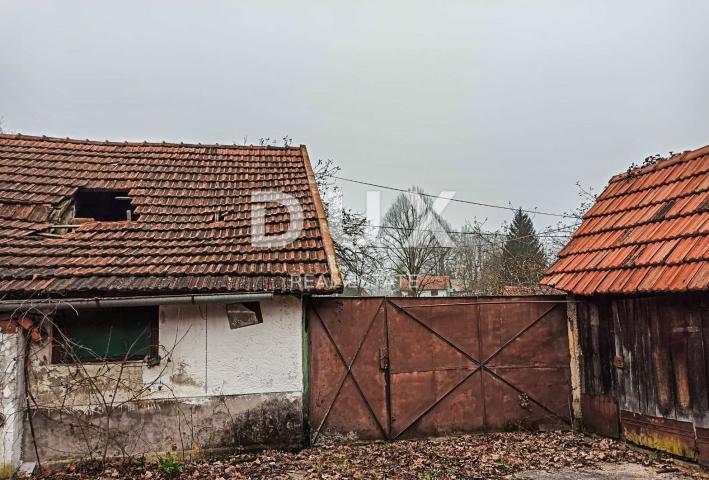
[413, 247]
[475, 258]
[492, 263]
[357, 251]
[555, 237]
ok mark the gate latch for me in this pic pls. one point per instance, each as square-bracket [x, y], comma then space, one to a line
[383, 358]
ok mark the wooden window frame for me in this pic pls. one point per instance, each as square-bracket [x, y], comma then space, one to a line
[60, 357]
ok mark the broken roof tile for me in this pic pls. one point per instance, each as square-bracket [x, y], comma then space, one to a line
[194, 228]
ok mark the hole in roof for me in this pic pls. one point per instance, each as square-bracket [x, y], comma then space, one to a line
[104, 205]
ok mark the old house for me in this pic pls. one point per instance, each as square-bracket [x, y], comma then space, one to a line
[151, 295]
[425, 286]
[639, 267]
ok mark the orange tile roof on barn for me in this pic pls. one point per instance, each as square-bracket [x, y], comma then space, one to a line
[192, 234]
[647, 232]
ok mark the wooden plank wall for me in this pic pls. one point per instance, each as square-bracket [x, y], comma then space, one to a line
[645, 370]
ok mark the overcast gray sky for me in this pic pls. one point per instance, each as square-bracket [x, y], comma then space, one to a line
[501, 101]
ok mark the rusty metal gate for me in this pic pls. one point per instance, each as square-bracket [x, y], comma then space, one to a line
[388, 368]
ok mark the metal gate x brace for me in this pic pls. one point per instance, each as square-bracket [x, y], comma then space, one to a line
[388, 368]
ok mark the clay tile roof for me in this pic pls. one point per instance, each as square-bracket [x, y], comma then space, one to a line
[427, 282]
[647, 232]
[193, 231]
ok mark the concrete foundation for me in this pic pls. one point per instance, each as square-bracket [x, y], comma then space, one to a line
[188, 426]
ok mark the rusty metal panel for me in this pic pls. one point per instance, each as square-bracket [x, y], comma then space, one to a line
[478, 364]
[434, 359]
[436, 402]
[431, 338]
[600, 415]
[510, 406]
[415, 367]
[526, 358]
[503, 323]
[515, 342]
[348, 389]
[663, 434]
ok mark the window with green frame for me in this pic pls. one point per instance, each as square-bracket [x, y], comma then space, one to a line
[105, 334]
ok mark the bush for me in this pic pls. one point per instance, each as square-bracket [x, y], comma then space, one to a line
[170, 465]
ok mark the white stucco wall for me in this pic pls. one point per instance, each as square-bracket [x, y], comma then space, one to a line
[200, 357]
[427, 293]
[214, 387]
[209, 358]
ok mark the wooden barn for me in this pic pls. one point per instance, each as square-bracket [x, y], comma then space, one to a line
[639, 267]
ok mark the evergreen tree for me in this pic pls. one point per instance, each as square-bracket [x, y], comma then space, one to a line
[523, 259]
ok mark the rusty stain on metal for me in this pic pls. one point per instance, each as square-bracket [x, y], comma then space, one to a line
[383, 358]
[348, 365]
[347, 389]
[663, 434]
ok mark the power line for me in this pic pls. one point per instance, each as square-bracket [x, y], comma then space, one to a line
[469, 202]
[543, 234]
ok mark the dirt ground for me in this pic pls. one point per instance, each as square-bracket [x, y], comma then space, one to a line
[540, 456]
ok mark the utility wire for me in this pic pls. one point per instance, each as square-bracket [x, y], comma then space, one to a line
[469, 202]
[543, 234]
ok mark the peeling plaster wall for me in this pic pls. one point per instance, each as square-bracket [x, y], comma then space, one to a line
[12, 397]
[208, 373]
[211, 359]
[186, 426]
